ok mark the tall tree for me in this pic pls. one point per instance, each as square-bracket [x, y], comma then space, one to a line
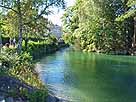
[96, 28]
[129, 16]
[17, 6]
[1, 23]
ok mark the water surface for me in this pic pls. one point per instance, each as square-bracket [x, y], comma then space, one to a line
[89, 77]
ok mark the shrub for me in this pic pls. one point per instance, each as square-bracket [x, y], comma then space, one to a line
[37, 96]
[40, 48]
[8, 58]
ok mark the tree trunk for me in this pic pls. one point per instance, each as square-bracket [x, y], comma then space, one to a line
[20, 27]
[128, 28]
[0, 42]
[134, 35]
[129, 33]
[26, 43]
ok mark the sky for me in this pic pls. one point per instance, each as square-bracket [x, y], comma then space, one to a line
[57, 14]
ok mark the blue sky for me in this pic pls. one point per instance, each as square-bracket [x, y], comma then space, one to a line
[57, 14]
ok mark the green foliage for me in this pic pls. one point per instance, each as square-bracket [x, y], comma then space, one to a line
[37, 96]
[24, 18]
[41, 47]
[90, 25]
[70, 20]
[68, 38]
[20, 66]
[7, 58]
[26, 73]
[130, 12]
[131, 3]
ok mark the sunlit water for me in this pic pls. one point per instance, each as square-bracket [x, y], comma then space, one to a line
[89, 77]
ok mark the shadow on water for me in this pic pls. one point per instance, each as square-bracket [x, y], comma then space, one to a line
[89, 77]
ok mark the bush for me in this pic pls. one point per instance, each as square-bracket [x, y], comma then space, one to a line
[21, 66]
[37, 96]
[8, 58]
[40, 48]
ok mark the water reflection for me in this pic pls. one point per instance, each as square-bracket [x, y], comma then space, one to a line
[87, 77]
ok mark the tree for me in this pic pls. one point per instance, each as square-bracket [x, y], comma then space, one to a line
[1, 23]
[129, 15]
[18, 6]
[130, 10]
[70, 20]
[96, 28]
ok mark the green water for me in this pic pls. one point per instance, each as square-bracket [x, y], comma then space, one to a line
[89, 77]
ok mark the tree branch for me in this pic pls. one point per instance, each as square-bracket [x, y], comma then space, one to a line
[8, 8]
[42, 12]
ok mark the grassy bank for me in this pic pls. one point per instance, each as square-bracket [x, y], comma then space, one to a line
[20, 67]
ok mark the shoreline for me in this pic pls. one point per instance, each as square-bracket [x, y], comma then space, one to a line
[10, 86]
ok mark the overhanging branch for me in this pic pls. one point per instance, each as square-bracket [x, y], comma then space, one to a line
[8, 8]
[42, 12]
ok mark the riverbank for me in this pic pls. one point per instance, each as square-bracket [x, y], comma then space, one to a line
[13, 89]
[19, 69]
[130, 52]
[9, 91]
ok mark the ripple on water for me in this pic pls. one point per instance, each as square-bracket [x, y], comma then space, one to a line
[84, 77]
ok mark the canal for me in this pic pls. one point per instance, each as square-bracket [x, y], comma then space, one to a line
[89, 77]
